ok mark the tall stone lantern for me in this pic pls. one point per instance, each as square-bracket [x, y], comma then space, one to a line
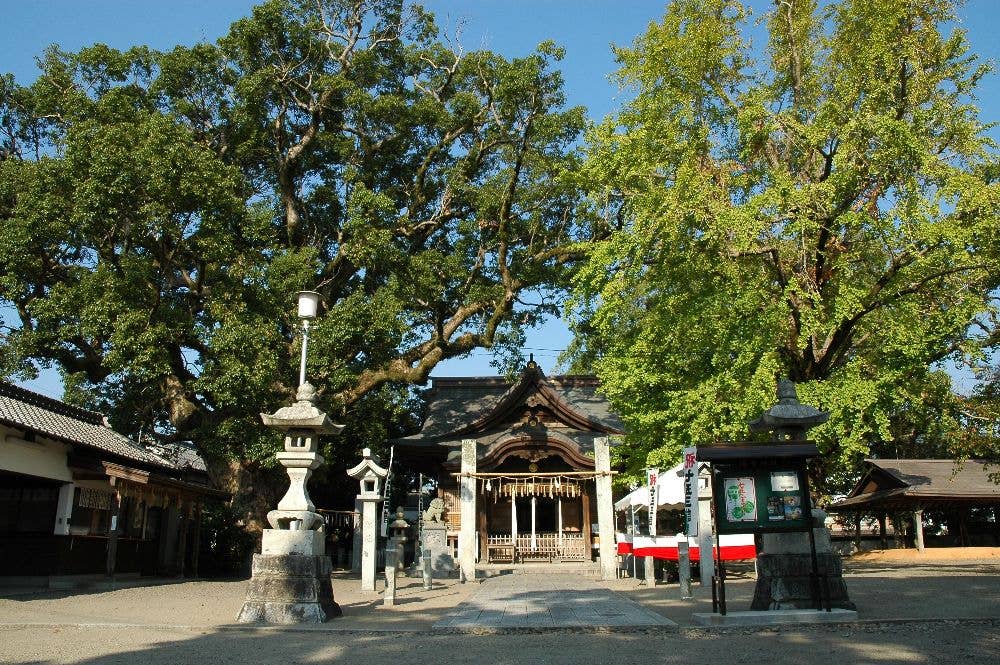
[291, 575]
[370, 475]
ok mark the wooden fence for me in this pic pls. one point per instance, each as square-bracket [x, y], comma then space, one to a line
[546, 547]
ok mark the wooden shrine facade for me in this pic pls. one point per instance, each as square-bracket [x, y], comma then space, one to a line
[79, 498]
[533, 476]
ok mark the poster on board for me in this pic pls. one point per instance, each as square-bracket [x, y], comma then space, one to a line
[741, 499]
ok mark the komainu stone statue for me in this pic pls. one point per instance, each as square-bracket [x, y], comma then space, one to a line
[435, 511]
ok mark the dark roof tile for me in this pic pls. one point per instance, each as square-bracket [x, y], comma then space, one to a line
[23, 409]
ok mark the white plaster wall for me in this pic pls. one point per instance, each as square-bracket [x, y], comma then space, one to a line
[42, 458]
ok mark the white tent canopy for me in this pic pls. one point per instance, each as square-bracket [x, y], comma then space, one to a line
[669, 492]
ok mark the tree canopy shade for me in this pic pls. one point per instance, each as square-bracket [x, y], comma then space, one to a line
[827, 212]
[161, 209]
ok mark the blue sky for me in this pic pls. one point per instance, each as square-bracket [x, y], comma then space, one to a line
[586, 28]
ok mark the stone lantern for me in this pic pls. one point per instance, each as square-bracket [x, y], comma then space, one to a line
[370, 476]
[399, 527]
[295, 526]
[789, 563]
[291, 575]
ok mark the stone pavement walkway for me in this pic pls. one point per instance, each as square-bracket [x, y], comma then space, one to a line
[547, 601]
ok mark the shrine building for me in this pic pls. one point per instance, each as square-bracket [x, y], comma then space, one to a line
[523, 467]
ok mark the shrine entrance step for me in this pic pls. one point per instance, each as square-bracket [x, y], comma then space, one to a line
[532, 601]
[587, 569]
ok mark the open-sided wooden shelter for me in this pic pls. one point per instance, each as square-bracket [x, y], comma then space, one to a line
[915, 485]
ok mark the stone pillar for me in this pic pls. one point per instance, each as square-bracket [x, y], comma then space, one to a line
[357, 538]
[706, 564]
[605, 508]
[369, 541]
[64, 509]
[467, 499]
[918, 529]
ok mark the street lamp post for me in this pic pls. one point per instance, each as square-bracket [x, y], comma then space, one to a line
[308, 306]
[291, 575]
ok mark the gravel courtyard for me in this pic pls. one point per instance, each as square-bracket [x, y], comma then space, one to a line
[912, 611]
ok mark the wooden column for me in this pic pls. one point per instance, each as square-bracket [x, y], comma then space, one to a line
[182, 527]
[587, 536]
[112, 559]
[513, 525]
[857, 530]
[196, 545]
[559, 524]
[882, 531]
[483, 532]
[534, 537]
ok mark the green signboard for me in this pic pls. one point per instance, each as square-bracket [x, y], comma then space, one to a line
[760, 498]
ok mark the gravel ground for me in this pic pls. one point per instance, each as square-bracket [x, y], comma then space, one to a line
[936, 642]
[912, 612]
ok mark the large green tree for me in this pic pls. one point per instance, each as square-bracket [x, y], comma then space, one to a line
[160, 210]
[825, 208]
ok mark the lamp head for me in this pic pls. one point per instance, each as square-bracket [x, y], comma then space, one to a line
[308, 304]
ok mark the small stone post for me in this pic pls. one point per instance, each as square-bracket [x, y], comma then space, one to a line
[684, 566]
[467, 497]
[649, 570]
[605, 508]
[427, 566]
[391, 559]
[370, 475]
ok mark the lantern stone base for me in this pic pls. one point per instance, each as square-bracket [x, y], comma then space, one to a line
[281, 541]
[291, 588]
[784, 581]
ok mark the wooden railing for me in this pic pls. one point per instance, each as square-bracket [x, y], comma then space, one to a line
[546, 547]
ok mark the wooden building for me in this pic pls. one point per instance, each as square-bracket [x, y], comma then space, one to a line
[911, 486]
[534, 478]
[78, 498]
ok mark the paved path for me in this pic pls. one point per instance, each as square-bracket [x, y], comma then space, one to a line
[547, 601]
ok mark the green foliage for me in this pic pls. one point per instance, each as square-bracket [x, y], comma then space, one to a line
[828, 213]
[161, 209]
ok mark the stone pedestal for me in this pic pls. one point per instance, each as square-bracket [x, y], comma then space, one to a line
[291, 588]
[783, 582]
[434, 540]
[784, 569]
